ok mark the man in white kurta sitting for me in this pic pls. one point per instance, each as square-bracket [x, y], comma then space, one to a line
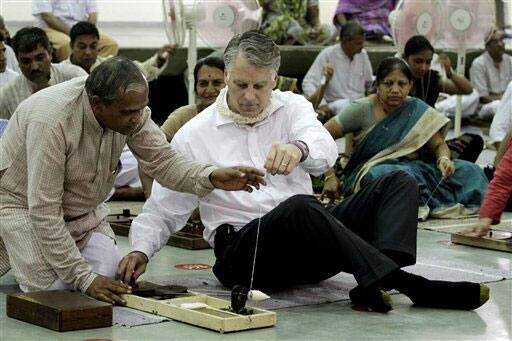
[502, 121]
[349, 65]
[57, 17]
[6, 74]
[59, 157]
[490, 74]
[84, 39]
[282, 230]
[33, 51]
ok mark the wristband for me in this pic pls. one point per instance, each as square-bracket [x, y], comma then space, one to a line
[304, 150]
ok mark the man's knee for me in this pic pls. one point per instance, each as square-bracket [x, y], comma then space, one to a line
[298, 202]
[400, 178]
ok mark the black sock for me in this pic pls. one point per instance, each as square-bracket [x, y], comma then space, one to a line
[372, 298]
[437, 294]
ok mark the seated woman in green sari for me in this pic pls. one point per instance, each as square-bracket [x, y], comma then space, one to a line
[393, 131]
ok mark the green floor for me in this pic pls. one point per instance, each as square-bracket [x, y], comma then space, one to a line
[493, 321]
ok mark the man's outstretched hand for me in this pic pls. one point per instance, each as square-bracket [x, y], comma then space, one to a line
[131, 267]
[237, 178]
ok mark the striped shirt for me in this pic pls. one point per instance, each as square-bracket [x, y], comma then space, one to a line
[57, 163]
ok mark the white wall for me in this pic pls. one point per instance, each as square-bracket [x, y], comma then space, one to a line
[124, 10]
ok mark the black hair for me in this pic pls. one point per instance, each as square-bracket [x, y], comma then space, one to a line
[28, 39]
[390, 64]
[350, 30]
[417, 44]
[111, 76]
[207, 61]
[82, 28]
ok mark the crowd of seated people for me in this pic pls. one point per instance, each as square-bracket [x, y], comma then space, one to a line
[399, 138]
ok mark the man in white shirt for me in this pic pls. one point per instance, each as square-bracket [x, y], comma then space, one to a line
[371, 234]
[32, 49]
[490, 74]
[57, 17]
[6, 74]
[349, 65]
[502, 121]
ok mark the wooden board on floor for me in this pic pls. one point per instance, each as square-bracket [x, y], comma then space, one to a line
[121, 222]
[190, 236]
[59, 310]
[215, 315]
[499, 240]
[188, 241]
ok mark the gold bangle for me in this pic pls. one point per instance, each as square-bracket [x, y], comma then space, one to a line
[442, 157]
[329, 176]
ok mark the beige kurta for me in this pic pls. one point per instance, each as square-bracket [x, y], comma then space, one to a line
[149, 67]
[21, 88]
[57, 163]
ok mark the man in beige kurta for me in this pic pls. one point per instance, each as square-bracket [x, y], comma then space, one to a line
[58, 162]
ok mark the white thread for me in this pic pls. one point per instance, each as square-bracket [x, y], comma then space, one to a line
[435, 189]
[255, 248]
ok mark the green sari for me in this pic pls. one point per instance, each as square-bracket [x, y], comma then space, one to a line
[401, 133]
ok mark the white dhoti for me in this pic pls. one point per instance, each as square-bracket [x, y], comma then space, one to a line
[21, 250]
[488, 110]
[469, 104]
[101, 253]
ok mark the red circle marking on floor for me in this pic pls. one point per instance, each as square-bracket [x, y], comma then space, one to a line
[192, 266]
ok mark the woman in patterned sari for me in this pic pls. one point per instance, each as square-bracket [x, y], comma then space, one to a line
[394, 131]
[295, 22]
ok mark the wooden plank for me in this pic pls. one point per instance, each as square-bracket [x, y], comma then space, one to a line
[215, 317]
[188, 241]
[120, 229]
[499, 242]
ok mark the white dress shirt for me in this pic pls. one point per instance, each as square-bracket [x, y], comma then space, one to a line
[350, 80]
[69, 11]
[486, 78]
[212, 137]
[502, 121]
[7, 76]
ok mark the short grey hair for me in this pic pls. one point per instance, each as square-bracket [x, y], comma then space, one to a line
[258, 48]
[111, 76]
